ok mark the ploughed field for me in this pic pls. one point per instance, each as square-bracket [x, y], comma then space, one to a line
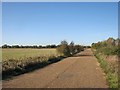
[18, 61]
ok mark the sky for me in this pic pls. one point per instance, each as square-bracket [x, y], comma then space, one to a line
[42, 23]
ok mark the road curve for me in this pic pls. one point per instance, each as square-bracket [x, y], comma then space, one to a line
[79, 71]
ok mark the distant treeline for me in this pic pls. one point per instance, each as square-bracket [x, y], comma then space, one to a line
[34, 46]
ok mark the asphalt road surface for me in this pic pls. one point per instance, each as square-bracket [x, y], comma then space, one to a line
[79, 71]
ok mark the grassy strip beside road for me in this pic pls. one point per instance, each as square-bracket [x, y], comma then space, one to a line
[16, 67]
[111, 73]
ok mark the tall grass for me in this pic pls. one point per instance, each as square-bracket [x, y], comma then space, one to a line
[110, 71]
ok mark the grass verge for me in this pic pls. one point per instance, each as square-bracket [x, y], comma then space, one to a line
[16, 67]
[111, 75]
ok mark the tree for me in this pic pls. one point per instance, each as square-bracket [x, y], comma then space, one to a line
[39, 46]
[64, 48]
[5, 46]
[15, 46]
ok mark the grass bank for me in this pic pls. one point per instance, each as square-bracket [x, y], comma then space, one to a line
[110, 70]
[13, 67]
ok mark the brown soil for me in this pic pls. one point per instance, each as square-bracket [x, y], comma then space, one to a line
[79, 71]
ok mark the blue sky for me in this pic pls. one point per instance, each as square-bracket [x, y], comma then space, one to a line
[49, 23]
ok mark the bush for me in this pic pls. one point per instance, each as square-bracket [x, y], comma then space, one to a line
[69, 50]
[64, 48]
[107, 47]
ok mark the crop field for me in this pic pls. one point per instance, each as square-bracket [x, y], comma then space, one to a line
[21, 54]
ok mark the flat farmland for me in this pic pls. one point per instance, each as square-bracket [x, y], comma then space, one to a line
[21, 54]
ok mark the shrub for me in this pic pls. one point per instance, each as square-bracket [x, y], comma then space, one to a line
[64, 48]
[69, 50]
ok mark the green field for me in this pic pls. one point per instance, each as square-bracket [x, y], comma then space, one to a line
[21, 54]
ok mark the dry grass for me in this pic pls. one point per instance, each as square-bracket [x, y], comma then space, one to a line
[109, 64]
[21, 54]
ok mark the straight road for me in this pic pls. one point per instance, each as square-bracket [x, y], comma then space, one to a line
[79, 71]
